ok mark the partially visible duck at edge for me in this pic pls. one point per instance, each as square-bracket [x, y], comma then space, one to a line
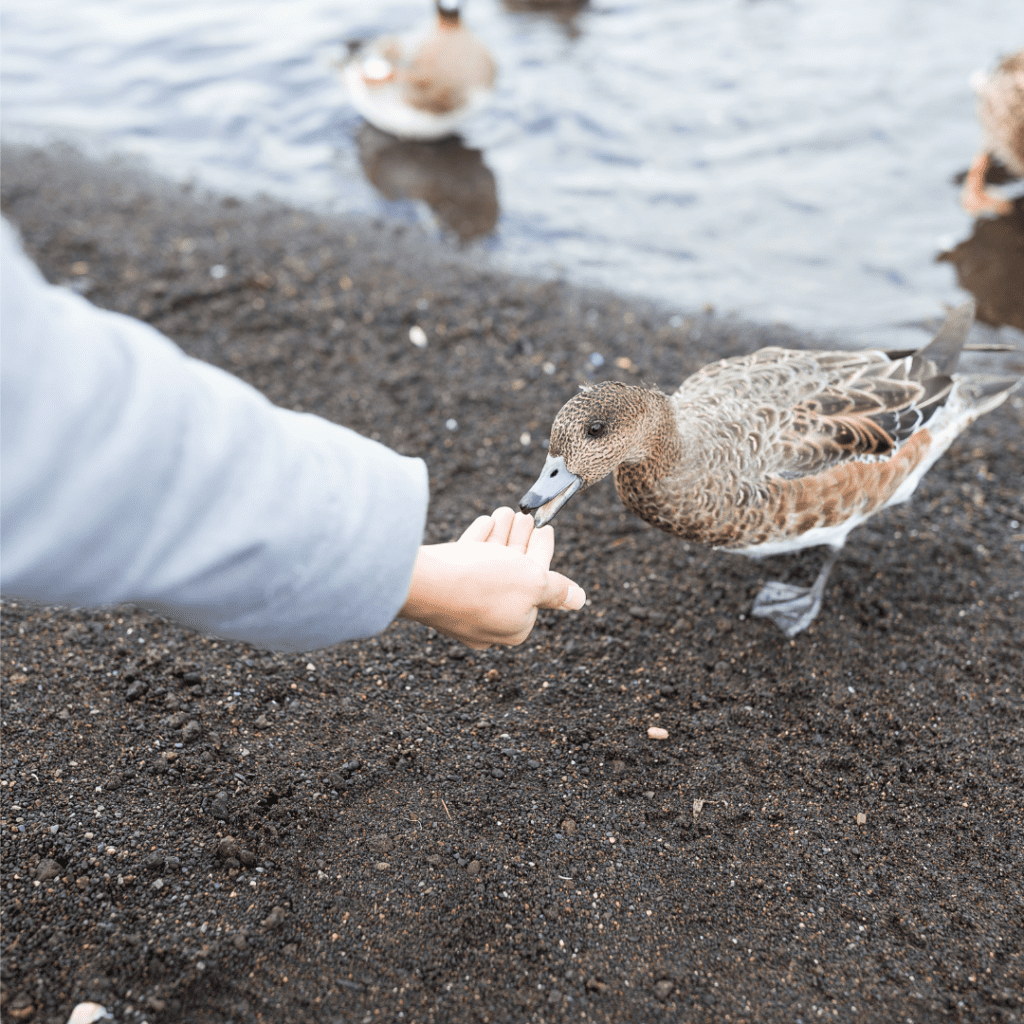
[1001, 112]
[771, 452]
[421, 87]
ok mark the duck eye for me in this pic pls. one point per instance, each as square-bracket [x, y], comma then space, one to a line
[596, 429]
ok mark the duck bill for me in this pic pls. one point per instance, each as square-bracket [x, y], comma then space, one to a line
[554, 487]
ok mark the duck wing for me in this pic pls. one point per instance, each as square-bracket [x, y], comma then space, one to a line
[867, 413]
[803, 413]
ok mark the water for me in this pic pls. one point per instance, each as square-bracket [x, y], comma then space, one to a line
[788, 160]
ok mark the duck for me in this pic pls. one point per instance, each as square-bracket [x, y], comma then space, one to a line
[1001, 112]
[771, 452]
[422, 87]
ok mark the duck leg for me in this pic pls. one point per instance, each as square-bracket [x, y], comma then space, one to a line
[974, 198]
[791, 608]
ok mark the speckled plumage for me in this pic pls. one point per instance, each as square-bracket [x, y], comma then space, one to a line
[774, 451]
[1001, 111]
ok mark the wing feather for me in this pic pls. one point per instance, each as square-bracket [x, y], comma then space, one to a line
[811, 411]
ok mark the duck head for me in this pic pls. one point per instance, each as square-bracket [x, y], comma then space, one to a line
[448, 12]
[598, 430]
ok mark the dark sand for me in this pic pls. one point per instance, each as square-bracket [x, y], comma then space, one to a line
[424, 833]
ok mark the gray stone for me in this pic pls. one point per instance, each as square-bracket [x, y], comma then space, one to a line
[47, 869]
[663, 989]
[136, 690]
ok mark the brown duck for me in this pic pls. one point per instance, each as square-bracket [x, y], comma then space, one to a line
[1001, 112]
[771, 452]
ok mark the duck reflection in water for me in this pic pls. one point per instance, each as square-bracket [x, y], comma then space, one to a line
[990, 265]
[449, 177]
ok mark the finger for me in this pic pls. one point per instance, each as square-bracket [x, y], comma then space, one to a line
[519, 535]
[541, 547]
[560, 592]
[503, 518]
[479, 529]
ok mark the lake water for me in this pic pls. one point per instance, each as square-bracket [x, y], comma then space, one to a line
[787, 160]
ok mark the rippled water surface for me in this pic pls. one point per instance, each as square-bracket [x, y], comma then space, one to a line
[785, 159]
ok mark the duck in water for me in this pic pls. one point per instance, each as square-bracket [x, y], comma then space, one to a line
[423, 86]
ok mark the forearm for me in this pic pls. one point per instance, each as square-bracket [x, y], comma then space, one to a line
[133, 473]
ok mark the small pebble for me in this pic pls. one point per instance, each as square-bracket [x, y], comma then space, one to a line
[47, 869]
[664, 989]
[275, 917]
[655, 732]
[154, 862]
[227, 847]
[219, 807]
[418, 336]
[862, 818]
[192, 731]
[136, 690]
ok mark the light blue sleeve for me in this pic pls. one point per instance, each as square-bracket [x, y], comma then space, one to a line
[131, 472]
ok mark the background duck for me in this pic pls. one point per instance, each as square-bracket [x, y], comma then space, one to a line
[422, 86]
[771, 452]
[1001, 112]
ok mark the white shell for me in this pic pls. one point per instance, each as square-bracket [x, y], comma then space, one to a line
[88, 1013]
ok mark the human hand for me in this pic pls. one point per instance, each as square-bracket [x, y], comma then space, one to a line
[487, 586]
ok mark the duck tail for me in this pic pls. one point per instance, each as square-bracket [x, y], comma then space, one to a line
[982, 394]
[940, 356]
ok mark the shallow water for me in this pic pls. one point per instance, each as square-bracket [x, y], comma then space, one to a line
[788, 160]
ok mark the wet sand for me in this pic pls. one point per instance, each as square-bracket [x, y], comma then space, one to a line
[404, 830]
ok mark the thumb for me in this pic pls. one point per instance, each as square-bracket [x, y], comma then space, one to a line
[560, 592]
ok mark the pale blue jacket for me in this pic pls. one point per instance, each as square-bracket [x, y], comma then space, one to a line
[133, 473]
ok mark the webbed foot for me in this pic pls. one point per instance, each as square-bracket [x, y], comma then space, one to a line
[791, 608]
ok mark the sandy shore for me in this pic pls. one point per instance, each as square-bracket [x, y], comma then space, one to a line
[403, 830]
